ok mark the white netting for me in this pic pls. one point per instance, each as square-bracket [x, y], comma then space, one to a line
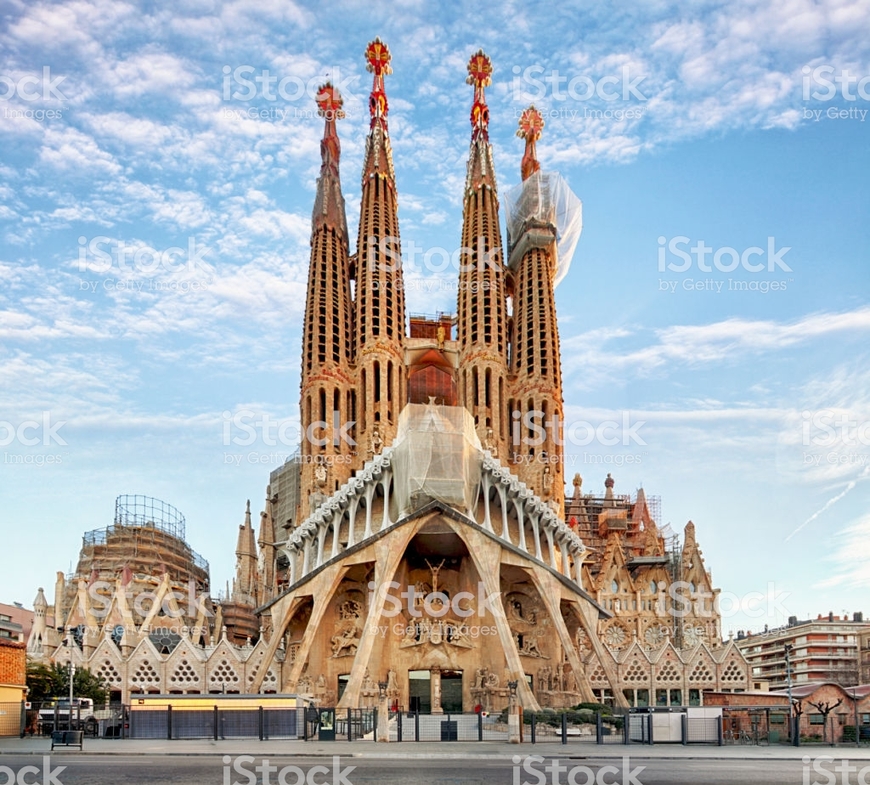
[436, 456]
[547, 198]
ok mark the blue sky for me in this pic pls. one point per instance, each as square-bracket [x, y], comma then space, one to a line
[740, 124]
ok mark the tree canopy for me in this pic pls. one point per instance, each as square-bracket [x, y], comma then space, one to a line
[46, 681]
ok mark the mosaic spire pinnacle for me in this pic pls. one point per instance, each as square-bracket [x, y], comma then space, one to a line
[378, 63]
[530, 126]
[480, 76]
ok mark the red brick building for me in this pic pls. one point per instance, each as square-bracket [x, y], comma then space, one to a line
[767, 712]
[13, 671]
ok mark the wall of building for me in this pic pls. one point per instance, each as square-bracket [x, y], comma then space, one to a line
[13, 671]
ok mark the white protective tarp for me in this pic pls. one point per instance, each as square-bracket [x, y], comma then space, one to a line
[436, 456]
[546, 197]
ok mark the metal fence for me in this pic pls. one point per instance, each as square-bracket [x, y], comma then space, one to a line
[568, 727]
[43, 717]
[11, 718]
[449, 726]
[692, 726]
[340, 724]
[168, 722]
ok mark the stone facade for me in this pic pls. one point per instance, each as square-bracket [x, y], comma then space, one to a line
[577, 619]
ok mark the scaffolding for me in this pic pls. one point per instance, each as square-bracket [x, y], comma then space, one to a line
[135, 510]
[674, 551]
[546, 199]
[146, 532]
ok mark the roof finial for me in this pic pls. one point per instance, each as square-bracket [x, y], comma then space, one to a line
[531, 124]
[378, 62]
[329, 103]
[479, 75]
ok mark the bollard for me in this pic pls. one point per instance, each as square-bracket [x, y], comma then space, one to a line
[564, 728]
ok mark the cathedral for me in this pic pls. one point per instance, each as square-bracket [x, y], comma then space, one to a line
[421, 538]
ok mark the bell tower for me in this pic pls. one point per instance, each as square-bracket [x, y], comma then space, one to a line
[380, 296]
[328, 395]
[482, 305]
[535, 362]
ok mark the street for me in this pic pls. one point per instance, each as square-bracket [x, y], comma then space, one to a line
[73, 769]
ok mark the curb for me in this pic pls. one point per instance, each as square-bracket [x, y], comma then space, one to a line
[403, 756]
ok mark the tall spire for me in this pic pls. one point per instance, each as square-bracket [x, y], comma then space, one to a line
[480, 76]
[380, 296]
[379, 154]
[480, 166]
[329, 203]
[327, 343]
[246, 562]
[482, 304]
[266, 586]
[535, 362]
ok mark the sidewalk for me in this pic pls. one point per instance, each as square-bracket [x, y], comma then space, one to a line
[421, 750]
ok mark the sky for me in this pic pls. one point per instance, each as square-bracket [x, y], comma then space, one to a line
[157, 173]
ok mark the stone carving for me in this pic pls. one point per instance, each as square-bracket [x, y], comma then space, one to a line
[582, 642]
[320, 475]
[436, 632]
[523, 616]
[369, 691]
[655, 635]
[547, 483]
[615, 636]
[489, 441]
[349, 628]
[569, 680]
[485, 679]
[376, 443]
[693, 634]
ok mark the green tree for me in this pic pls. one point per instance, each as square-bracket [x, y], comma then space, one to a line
[52, 681]
[42, 682]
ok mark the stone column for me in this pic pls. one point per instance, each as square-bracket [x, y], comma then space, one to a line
[514, 716]
[383, 713]
[435, 686]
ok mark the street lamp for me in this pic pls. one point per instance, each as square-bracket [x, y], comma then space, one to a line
[794, 735]
[68, 642]
[382, 689]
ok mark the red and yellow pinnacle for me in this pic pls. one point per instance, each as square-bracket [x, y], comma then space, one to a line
[479, 75]
[378, 63]
[530, 126]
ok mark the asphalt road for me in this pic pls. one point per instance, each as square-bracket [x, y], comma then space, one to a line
[282, 770]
